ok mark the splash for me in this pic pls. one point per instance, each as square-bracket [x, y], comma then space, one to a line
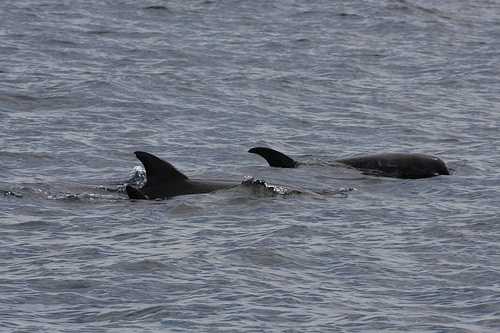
[137, 176]
[11, 194]
[266, 188]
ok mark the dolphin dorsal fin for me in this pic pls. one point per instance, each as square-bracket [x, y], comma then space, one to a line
[158, 169]
[274, 157]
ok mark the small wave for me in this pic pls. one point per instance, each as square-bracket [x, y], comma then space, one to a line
[75, 196]
[11, 194]
[157, 7]
[86, 196]
[59, 285]
[146, 265]
[292, 231]
[33, 225]
[342, 192]
[61, 42]
[120, 188]
[263, 257]
[350, 15]
[100, 32]
[125, 315]
[185, 209]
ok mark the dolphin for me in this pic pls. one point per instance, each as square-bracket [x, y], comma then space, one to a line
[163, 180]
[398, 165]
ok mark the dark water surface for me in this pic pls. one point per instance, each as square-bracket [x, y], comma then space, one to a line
[86, 83]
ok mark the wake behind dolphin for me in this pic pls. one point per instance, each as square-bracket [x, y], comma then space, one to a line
[398, 165]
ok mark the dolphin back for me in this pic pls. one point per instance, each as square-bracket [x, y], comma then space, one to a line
[134, 193]
[399, 165]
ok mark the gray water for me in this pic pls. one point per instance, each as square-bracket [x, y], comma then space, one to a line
[84, 84]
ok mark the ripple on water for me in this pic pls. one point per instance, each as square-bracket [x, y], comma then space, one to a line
[33, 225]
[61, 285]
[140, 266]
[154, 312]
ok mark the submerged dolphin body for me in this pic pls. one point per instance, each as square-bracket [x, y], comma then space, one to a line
[163, 180]
[399, 165]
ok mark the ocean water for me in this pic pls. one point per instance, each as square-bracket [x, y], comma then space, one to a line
[84, 84]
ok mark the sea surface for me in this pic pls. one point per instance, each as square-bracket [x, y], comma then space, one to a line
[84, 84]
